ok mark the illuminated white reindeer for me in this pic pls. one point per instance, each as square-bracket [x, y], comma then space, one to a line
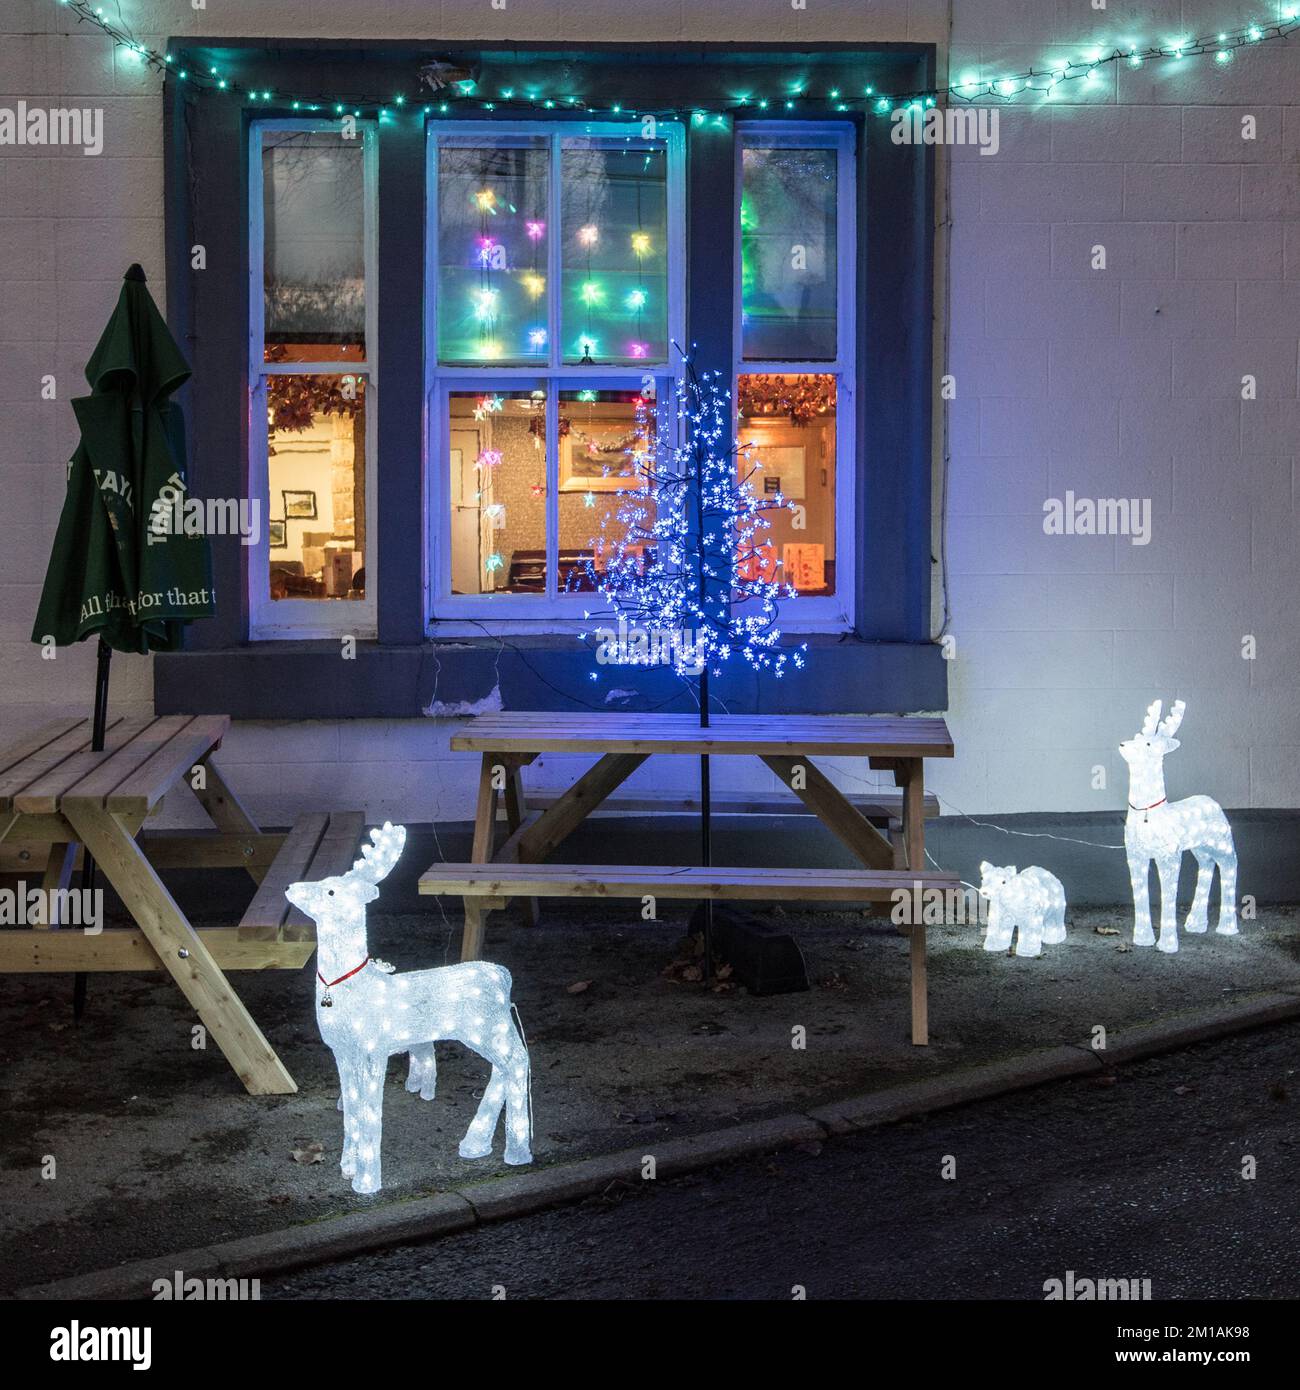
[366, 1012]
[1163, 831]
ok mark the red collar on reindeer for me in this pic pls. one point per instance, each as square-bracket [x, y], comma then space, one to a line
[1152, 807]
[330, 984]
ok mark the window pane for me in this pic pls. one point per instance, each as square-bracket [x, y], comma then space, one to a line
[787, 425]
[313, 260]
[604, 436]
[788, 250]
[614, 196]
[492, 238]
[316, 466]
[497, 462]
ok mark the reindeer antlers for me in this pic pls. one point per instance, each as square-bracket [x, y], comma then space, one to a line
[377, 859]
[1169, 724]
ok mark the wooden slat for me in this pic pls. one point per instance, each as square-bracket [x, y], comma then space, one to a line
[129, 744]
[100, 773]
[875, 805]
[28, 856]
[14, 753]
[830, 734]
[209, 849]
[634, 881]
[36, 763]
[266, 913]
[116, 949]
[336, 854]
[42, 831]
[147, 784]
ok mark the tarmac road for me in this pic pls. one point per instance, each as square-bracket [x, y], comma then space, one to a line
[1135, 1175]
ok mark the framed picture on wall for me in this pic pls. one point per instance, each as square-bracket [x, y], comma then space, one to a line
[299, 506]
[805, 566]
[784, 470]
[597, 464]
[277, 535]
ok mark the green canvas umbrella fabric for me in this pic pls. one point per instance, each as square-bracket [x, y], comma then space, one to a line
[112, 573]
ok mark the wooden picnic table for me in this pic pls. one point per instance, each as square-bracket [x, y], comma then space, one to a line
[786, 744]
[58, 795]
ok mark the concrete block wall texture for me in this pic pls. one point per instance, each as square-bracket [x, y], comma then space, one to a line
[1122, 382]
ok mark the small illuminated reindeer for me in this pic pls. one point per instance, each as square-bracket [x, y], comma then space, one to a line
[366, 1012]
[1156, 829]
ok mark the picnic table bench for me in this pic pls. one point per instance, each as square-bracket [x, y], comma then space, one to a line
[57, 794]
[786, 744]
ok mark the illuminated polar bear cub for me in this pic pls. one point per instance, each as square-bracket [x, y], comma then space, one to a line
[1032, 901]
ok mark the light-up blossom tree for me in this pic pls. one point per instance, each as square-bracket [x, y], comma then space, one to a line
[1159, 829]
[683, 555]
[366, 1011]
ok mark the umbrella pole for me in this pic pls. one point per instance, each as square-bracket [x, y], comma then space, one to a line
[98, 728]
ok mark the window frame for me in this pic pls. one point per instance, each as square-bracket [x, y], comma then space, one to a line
[449, 614]
[890, 661]
[302, 618]
[832, 612]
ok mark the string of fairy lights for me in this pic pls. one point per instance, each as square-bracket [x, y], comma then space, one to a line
[467, 93]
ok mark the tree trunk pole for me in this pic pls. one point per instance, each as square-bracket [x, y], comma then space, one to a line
[706, 848]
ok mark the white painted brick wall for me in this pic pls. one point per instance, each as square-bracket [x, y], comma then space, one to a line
[1145, 361]
[1123, 382]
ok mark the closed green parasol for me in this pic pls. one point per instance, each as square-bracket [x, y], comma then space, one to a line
[120, 568]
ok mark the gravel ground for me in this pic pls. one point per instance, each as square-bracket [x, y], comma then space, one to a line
[1131, 1175]
[157, 1148]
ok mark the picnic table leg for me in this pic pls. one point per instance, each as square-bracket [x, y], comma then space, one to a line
[914, 835]
[181, 951]
[835, 811]
[58, 875]
[485, 820]
[226, 811]
[516, 809]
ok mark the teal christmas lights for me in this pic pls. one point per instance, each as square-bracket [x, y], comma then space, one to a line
[466, 96]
